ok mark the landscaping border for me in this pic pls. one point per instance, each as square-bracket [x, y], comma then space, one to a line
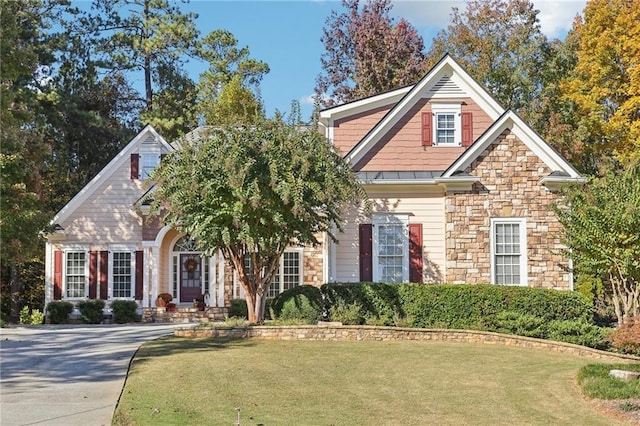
[331, 332]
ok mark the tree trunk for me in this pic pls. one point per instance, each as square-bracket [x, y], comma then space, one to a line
[147, 65]
[14, 289]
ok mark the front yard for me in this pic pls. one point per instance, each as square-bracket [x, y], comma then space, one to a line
[204, 381]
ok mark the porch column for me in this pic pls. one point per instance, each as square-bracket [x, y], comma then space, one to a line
[48, 274]
[146, 276]
[220, 279]
[155, 268]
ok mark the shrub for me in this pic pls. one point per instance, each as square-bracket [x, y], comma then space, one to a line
[626, 338]
[58, 311]
[124, 311]
[91, 310]
[25, 315]
[302, 303]
[379, 303]
[347, 314]
[238, 308]
[511, 322]
[37, 317]
[579, 333]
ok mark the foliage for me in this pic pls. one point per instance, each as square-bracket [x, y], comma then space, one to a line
[58, 311]
[91, 310]
[252, 192]
[379, 302]
[605, 83]
[367, 53]
[601, 233]
[25, 315]
[298, 303]
[347, 313]
[626, 338]
[166, 297]
[34, 317]
[238, 308]
[595, 381]
[579, 333]
[499, 42]
[235, 105]
[124, 311]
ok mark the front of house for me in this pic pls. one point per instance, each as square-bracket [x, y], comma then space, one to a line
[461, 192]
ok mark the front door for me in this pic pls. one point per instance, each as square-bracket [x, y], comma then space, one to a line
[190, 277]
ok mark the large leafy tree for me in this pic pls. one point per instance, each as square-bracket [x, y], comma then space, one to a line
[252, 191]
[602, 233]
[499, 42]
[367, 53]
[605, 83]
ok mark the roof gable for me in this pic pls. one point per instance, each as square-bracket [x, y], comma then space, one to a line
[144, 137]
[510, 121]
[445, 80]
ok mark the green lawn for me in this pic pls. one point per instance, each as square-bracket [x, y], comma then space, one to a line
[176, 381]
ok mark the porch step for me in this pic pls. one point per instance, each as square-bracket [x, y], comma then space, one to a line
[187, 315]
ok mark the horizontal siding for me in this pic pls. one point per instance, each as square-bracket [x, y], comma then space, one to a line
[348, 131]
[425, 209]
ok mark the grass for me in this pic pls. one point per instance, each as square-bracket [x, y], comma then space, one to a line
[202, 381]
[597, 383]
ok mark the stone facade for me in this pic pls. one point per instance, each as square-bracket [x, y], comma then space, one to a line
[509, 187]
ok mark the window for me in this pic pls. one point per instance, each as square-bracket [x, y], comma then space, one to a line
[76, 274]
[508, 251]
[391, 248]
[122, 276]
[149, 162]
[288, 275]
[447, 126]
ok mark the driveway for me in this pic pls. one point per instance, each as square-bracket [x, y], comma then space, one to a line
[67, 375]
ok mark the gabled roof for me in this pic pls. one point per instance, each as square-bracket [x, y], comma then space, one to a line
[446, 74]
[123, 156]
[509, 120]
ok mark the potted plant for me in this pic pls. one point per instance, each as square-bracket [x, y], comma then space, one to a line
[171, 307]
[163, 299]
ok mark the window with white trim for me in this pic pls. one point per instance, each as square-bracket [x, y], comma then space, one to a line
[149, 163]
[288, 275]
[122, 274]
[76, 274]
[447, 124]
[391, 248]
[509, 251]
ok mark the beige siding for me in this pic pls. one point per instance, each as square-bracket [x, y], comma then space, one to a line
[426, 208]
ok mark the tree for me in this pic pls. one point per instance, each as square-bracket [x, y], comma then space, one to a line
[234, 105]
[367, 53]
[500, 44]
[601, 229]
[605, 84]
[251, 191]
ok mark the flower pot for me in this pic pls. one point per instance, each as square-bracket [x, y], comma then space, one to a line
[171, 307]
[160, 302]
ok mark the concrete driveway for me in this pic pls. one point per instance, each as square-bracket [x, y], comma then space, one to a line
[67, 375]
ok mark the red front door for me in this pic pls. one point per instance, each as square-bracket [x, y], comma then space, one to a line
[190, 277]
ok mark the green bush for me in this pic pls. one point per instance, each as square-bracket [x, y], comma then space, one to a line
[379, 302]
[511, 322]
[238, 309]
[37, 317]
[58, 311]
[302, 303]
[91, 310]
[25, 315]
[124, 311]
[579, 333]
[347, 314]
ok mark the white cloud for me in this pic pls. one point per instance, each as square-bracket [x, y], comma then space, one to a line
[308, 100]
[429, 16]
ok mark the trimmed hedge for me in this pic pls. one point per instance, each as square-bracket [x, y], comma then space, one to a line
[91, 310]
[302, 303]
[58, 311]
[124, 311]
[379, 303]
[238, 309]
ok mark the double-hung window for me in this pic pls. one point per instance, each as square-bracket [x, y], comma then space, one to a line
[509, 251]
[122, 274]
[288, 275]
[149, 162]
[391, 248]
[447, 125]
[76, 274]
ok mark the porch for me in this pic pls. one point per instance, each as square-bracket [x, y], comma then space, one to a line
[184, 314]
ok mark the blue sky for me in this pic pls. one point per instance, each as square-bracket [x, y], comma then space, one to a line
[286, 35]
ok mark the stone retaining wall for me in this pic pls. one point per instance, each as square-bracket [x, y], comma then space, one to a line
[369, 333]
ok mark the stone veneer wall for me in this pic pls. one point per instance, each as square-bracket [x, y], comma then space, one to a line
[509, 187]
[370, 333]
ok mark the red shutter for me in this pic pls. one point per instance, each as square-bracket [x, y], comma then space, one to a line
[135, 161]
[366, 249]
[104, 275]
[426, 129]
[93, 274]
[415, 252]
[139, 274]
[57, 275]
[467, 128]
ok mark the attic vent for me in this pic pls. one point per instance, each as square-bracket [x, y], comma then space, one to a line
[446, 86]
[150, 139]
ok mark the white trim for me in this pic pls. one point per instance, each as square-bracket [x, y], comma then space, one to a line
[446, 66]
[108, 170]
[454, 109]
[380, 219]
[220, 282]
[328, 116]
[75, 248]
[122, 248]
[48, 273]
[510, 121]
[522, 222]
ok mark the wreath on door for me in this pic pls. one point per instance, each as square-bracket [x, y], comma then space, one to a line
[190, 265]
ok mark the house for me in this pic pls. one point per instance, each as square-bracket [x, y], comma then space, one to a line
[461, 192]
